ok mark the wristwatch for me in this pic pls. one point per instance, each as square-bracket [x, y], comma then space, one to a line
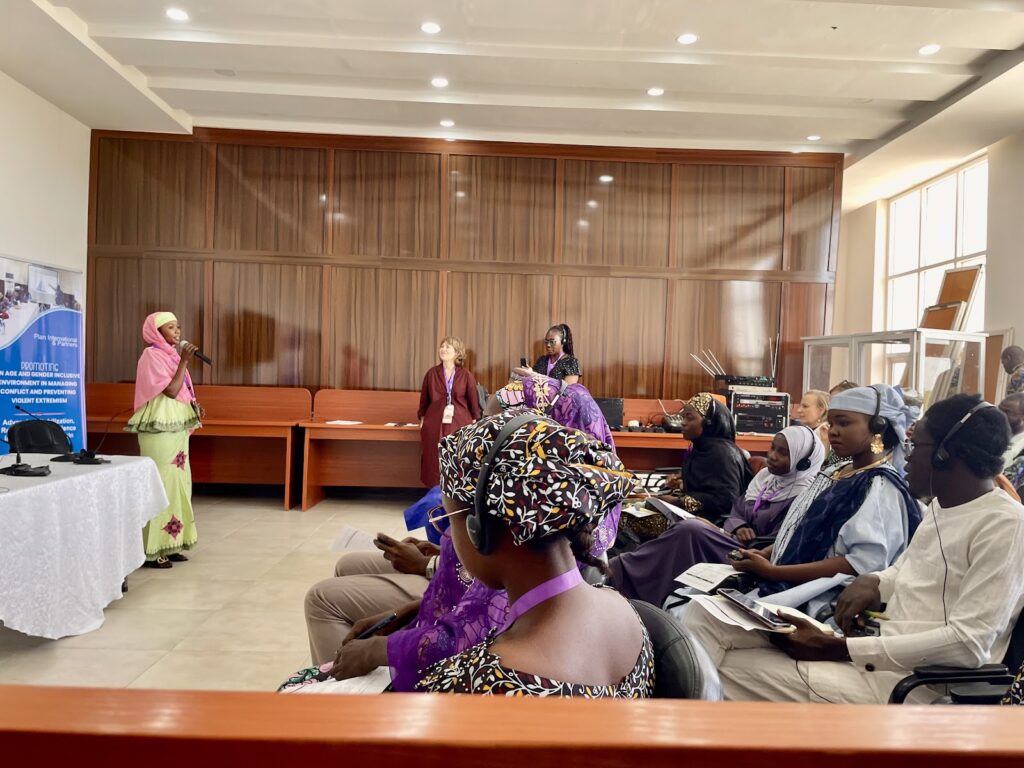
[431, 568]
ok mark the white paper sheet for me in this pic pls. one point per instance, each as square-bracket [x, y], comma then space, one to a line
[374, 682]
[727, 613]
[344, 423]
[351, 539]
[706, 576]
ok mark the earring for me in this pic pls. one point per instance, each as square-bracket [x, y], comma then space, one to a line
[877, 446]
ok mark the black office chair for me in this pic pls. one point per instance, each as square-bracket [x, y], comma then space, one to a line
[984, 685]
[682, 668]
[38, 436]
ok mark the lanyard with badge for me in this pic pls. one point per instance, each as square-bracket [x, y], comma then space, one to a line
[449, 410]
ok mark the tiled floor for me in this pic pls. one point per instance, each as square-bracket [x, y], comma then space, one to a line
[229, 619]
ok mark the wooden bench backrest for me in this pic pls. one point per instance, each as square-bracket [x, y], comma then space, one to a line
[221, 402]
[369, 406]
[129, 726]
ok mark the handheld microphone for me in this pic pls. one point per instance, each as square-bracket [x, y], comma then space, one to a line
[200, 355]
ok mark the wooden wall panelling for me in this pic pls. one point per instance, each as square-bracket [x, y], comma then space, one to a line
[132, 288]
[150, 193]
[618, 327]
[501, 209]
[730, 217]
[624, 221]
[803, 315]
[267, 324]
[733, 319]
[384, 327]
[811, 223]
[386, 204]
[270, 199]
[500, 318]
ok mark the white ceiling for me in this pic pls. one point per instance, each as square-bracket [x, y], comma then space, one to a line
[764, 74]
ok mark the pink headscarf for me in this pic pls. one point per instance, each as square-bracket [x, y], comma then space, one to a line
[157, 366]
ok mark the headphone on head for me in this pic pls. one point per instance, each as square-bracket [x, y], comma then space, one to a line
[941, 457]
[481, 531]
[805, 463]
[709, 419]
[878, 423]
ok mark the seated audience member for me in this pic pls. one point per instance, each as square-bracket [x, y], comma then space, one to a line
[951, 599]
[856, 516]
[1012, 359]
[812, 411]
[842, 386]
[714, 472]
[649, 572]
[523, 496]
[1013, 409]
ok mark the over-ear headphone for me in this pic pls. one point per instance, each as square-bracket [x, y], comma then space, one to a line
[805, 463]
[878, 423]
[941, 457]
[709, 420]
[481, 530]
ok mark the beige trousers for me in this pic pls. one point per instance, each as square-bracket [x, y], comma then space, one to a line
[752, 669]
[364, 584]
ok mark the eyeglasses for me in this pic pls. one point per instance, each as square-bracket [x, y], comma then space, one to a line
[437, 514]
[550, 342]
[910, 445]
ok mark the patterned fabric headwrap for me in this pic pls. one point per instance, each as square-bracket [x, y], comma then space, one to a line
[701, 403]
[547, 478]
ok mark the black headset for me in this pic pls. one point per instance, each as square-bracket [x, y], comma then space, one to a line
[941, 457]
[480, 529]
[709, 419]
[878, 423]
[805, 463]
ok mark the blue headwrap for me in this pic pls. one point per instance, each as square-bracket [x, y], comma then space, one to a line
[888, 403]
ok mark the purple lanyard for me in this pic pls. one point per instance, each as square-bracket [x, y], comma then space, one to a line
[762, 498]
[552, 365]
[448, 382]
[542, 593]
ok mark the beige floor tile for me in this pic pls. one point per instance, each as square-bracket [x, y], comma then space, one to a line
[143, 630]
[221, 670]
[52, 665]
[12, 641]
[303, 567]
[273, 596]
[229, 565]
[241, 629]
[182, 593]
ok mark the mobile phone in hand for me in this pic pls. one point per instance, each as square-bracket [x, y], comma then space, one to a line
[523, 363]
[383, 538]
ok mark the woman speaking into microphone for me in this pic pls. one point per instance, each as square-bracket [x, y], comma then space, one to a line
[166, 413]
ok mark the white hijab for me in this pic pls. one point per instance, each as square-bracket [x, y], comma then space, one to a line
[803, 442]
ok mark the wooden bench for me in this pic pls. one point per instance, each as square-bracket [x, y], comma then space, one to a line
[649, 450]
[248, 433]
[129, 726]
[369, 454]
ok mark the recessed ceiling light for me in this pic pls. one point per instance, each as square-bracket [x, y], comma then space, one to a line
[929, 50]
[439, 82]
[430, 27]
[176, 14]
[591, 203]
[604, 178]
[460, 193]
[655, 91]
[447, 123]
[687, 38]
[814, 137]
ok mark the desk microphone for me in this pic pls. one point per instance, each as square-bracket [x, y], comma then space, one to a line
[66, 457]
[200, 355]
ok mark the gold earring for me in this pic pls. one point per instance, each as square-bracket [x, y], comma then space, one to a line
[877, 446]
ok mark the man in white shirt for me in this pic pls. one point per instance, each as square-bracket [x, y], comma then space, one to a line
[1013, 409]
[952, 597]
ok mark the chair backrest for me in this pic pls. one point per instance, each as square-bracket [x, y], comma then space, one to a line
[682, 668]
[756, 463]
[37, 436]
[1014, 656]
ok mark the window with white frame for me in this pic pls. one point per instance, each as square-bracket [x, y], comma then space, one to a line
[940, 225]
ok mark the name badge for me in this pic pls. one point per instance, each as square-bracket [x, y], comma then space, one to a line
[449, 414]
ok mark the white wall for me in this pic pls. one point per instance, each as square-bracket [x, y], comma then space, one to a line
[860, 291]
[44, 180]
[1004, 284]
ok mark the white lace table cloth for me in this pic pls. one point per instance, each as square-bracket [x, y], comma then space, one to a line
[67, 541]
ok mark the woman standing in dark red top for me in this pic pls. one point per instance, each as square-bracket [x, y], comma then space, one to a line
[448, 401]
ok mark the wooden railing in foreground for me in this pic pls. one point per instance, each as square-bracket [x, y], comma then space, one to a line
[451, 732]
